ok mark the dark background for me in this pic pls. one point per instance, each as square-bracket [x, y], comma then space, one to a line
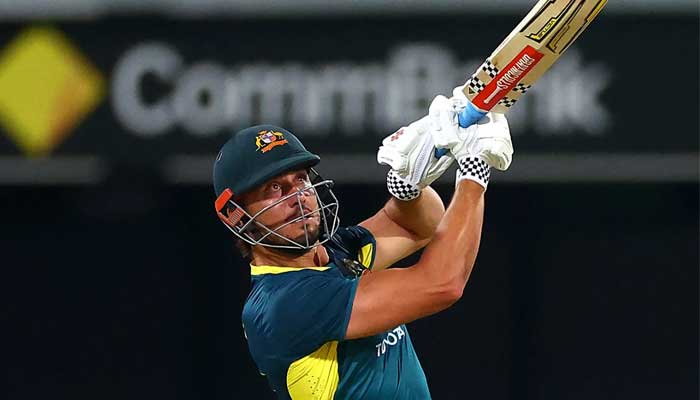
[128, 287]
[134, 291]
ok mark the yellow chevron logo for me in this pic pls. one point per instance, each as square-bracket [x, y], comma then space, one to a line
[545, 29]
[47, 88]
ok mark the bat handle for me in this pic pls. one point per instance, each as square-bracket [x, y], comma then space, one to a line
[469, 116]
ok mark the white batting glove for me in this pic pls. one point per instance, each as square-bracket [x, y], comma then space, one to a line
[476, 148]
[410, 152]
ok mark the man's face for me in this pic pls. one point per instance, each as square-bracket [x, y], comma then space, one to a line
[290, 209]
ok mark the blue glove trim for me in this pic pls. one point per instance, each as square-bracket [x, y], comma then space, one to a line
[470, 115]
[440, 152]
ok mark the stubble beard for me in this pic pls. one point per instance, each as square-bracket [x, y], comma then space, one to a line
[312, 232]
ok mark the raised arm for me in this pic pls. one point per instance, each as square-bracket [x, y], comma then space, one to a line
[402, 227]
[408, 220]
[388, 298]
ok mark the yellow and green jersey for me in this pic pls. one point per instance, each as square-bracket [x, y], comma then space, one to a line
[295, 321]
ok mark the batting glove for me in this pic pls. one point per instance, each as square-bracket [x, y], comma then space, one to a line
[410, 152]
[476, 148]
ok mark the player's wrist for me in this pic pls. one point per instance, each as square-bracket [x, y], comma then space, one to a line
[473, 168]
[401, 188]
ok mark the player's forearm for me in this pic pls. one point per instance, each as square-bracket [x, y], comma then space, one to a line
[449, 258]
[420, 216]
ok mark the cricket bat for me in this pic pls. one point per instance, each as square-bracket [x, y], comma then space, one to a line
[525, 54]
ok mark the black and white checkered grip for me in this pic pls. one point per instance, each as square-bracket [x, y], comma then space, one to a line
[401, 189]
[476, 84]
[475, 169]
[521, 88]
[507, 101]
[489, 68]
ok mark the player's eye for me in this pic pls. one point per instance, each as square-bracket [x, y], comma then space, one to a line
[275, 187]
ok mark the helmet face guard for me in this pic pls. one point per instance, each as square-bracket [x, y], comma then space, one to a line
[247, 227]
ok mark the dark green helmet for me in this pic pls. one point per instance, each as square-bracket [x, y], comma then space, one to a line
[256, 154]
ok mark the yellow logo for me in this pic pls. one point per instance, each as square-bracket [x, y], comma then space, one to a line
[545, 30]
[47, 88]
[267, 140]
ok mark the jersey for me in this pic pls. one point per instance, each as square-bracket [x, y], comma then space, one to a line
[295, 321]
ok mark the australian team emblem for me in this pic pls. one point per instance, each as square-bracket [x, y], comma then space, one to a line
[267, 140]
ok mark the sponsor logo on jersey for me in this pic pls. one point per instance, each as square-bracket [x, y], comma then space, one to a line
[392, 338]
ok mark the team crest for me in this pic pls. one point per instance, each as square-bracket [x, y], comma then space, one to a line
[267, 140]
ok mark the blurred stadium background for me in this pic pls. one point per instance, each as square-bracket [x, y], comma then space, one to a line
[121, 284]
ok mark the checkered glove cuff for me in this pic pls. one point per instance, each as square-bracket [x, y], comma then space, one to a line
[400, 188]
[474, 169]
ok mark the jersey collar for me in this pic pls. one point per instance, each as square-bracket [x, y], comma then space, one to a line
[270, 269]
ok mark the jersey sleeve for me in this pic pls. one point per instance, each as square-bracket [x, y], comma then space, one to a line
[358, 243]
[311, 310]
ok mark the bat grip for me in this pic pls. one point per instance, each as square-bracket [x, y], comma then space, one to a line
[470, 115]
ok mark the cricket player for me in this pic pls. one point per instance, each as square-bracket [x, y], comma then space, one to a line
[325, 318]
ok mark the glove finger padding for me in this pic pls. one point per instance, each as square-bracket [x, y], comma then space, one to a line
[446, 131]
[492, 141]
[422, 168]
[442, 118]
[410, 152]
[490, 146]
[396, 148]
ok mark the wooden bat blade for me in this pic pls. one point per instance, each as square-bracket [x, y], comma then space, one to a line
[528, 51]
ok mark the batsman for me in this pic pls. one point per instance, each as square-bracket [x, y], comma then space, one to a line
[325, 317]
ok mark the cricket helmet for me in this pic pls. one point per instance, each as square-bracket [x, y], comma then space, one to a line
[255, 155]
